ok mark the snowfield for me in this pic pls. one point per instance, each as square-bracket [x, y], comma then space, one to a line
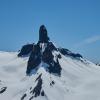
[79, 80]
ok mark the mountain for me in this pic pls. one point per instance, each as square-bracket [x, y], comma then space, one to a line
[43, 71]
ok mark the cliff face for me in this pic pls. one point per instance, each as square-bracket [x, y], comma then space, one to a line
[43, 53]
[43, 34]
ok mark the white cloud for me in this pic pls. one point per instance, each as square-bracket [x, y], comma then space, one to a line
[89, 40]
[92, 39]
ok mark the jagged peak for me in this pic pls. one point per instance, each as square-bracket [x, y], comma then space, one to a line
[43, 51]
[43, 34]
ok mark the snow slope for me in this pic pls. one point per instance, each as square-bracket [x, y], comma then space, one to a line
[79, 80]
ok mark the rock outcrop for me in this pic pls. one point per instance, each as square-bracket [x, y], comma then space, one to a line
[34, 59]
[26, 50]
[42, 53]
[66, 52]
[43, 34]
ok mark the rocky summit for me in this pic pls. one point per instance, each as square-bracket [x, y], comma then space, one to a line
[40, 53]
[43, 34]
[44, 54]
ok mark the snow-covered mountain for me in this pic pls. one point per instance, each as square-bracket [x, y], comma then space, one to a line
[43, 71]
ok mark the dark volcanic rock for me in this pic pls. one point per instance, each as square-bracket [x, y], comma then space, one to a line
[47, 57]
[52, 83]
[34, 59]
[37, 56]
[42, 93]
[23, 97]
[59, 56]
[43, 52]
[37, 90]
[2, 90]
[38, 77]
[64, 51]
[69, 53]
[26, 50]
[43, 34]
[77, 55]
[31, 98]
[55, 68]
[51, 46]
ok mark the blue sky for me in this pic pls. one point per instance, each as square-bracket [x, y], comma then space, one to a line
[73, 24]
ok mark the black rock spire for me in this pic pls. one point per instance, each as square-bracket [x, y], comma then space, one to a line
[42, 53]
[43, 34]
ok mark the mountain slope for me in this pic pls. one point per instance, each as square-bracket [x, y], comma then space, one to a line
[43, 71]
[79, 81]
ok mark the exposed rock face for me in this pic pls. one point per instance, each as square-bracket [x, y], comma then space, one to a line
[2, 87]
[23, 97]
[43, 34]
[34, 59]
[35, 91]
[39, 55]
[47, 57]
[42, 52]
[69, 53]
[26, 50]
[2, 90]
